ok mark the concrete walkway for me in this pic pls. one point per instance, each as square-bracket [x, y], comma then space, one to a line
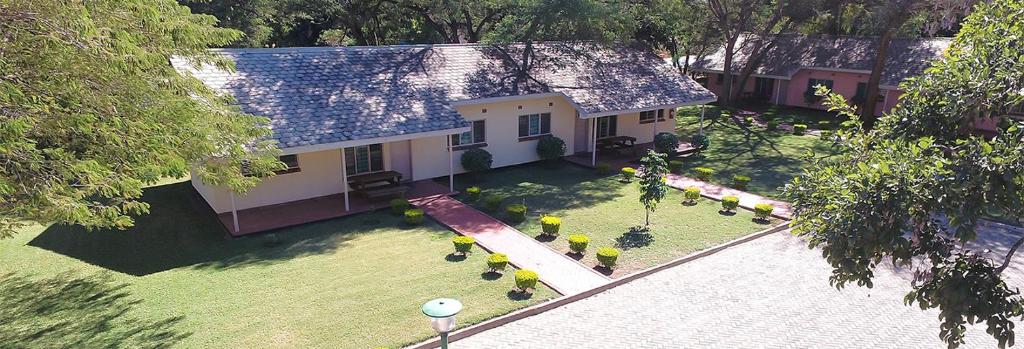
[747, 200]
[556, 270]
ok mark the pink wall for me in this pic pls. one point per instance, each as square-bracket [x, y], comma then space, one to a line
[842, 82]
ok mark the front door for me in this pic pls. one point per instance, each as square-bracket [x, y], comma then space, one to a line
[606, 126]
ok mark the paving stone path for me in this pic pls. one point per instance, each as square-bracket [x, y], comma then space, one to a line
[556, 270]
[772, 292]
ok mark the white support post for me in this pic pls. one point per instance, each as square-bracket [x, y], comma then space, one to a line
[234, 211]
[451, 166]
[655, 126]
[593, 142]
[778, 90]
[344, 178]
[701, 120]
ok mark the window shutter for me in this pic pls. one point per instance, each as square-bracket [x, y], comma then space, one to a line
[545, 123]
[524, 125]
[478, 132]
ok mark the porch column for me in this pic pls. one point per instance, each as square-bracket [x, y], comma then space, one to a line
[593, 142]
[655, 125]
[701, 120]
[234, 211]
[451, 166]
[344, 178]
[778, 90]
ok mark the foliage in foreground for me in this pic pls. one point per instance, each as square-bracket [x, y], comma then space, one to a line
[914, 189]
[92, 111]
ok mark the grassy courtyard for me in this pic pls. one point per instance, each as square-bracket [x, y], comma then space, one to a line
[770, 159]
[605, 209]
[174, 280]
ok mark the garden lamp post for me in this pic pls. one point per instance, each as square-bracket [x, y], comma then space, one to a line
[442, 316]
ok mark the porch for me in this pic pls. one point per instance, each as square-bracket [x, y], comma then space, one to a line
[283, 215]
[620, 158]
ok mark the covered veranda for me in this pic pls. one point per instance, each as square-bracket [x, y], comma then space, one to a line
[624, 150]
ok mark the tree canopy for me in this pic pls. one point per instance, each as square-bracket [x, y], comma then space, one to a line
[91, 111]
[913, 190]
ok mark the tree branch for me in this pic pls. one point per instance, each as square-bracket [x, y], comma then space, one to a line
[1009, 255]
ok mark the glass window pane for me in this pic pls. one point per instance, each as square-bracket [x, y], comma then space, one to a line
[534, 124]
[545, 123]
[350, 161]
[362, 159]
[376, 157]
[466, 137]
[524, 125]
[478, 132]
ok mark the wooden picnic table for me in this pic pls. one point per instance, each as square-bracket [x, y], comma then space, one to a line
[616, 142]
[366, 180]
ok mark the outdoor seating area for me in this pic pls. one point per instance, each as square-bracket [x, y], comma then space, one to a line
[622, 157]
[377, 185]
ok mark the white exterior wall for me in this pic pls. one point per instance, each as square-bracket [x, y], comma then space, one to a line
[628, 124]
[430, 158]
[320, 175]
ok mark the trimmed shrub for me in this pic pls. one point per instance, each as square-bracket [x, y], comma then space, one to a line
[526, 279]
[763, 211]
[578, 243]
[607, 256]
[476, 160]
[399, 205]
[628, 173]
[497, 262]
[493, 202]
[740, 181]
[749, 120]
[824, 125]
[701, 142]
[550, 225]
[666, 143]
[551, 148]
[675, 166]
[730, 203]
[799, 129]
[773, 125]
[704, 173]
[414, 216]
[692, 194]
[463, 244]
[516, 212]
[826, 135]
[473, 193]
[603, 168]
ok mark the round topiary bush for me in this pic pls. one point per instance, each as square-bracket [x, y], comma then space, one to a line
[526, 280]
[607, 257]
[666, 143]
[493, 202]
[740, 181]
[463, 244]
[700, 142]
[399, 205]
[748, 121]
[578, 243]
[799, 129]
[550, 225]
[627, 174]
[413, 216]
[692, 194]
[826, 135]
[675, 166]
[763, 211]
[516, 212]
[824, 125]
[772, 125]
[704, 173]
[497, 262]
[476, 160]
[551, 148]
[473, 193]
[603, 168]
[730, 203]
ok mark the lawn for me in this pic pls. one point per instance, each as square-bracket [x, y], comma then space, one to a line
[605, 209]
[355, 282]
[770, 159]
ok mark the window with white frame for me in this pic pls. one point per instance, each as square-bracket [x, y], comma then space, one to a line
[475, 136]
[607, 126]
[534, 125]
[364, 159]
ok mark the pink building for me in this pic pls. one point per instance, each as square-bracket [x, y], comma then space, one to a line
[798, 62]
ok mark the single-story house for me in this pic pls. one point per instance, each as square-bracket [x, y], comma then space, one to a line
[407, 113]
[797, 63]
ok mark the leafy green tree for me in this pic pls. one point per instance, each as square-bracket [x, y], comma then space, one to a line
[683, 28]
[652, 182]
[913, 190]
[91, 111]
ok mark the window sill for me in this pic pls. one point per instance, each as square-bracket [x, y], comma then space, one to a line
[533, 138]
[469, 146]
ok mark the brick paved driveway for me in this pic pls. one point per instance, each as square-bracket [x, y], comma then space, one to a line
[772, 292]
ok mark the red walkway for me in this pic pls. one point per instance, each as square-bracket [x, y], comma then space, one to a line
[747, 200]
[556, 270]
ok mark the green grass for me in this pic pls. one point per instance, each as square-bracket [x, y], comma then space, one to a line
[606, 210]
[770, 159]
[813, 118]
[174, 280]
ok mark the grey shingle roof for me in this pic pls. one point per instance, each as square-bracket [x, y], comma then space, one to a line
[792, 52]
[325, 95]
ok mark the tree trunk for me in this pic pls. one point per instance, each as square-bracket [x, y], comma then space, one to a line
[726, 97]
[871, 100]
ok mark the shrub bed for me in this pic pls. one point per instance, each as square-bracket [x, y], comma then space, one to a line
[607, 256]
[476, 160]
[772, 125]
[675, 166]
[666, 143]
[603, 168]
[413, 216]
[516, 212]
[497, 262]
[526, 280]
[628, 173]
[493, 202]
[463, 244]
[763, 211]
[730, 203]
[740, 181]
[551, 149]
[799, 129]
[578, 243]
[473, 193]
[550, 225]
[399, 205]
[692, 194]
[704, 173]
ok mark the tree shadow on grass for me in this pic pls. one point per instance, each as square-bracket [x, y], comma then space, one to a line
[182, 231]
[491, 275]
[636, 237]
[67, 311]
[517, 295]
[452, 257]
